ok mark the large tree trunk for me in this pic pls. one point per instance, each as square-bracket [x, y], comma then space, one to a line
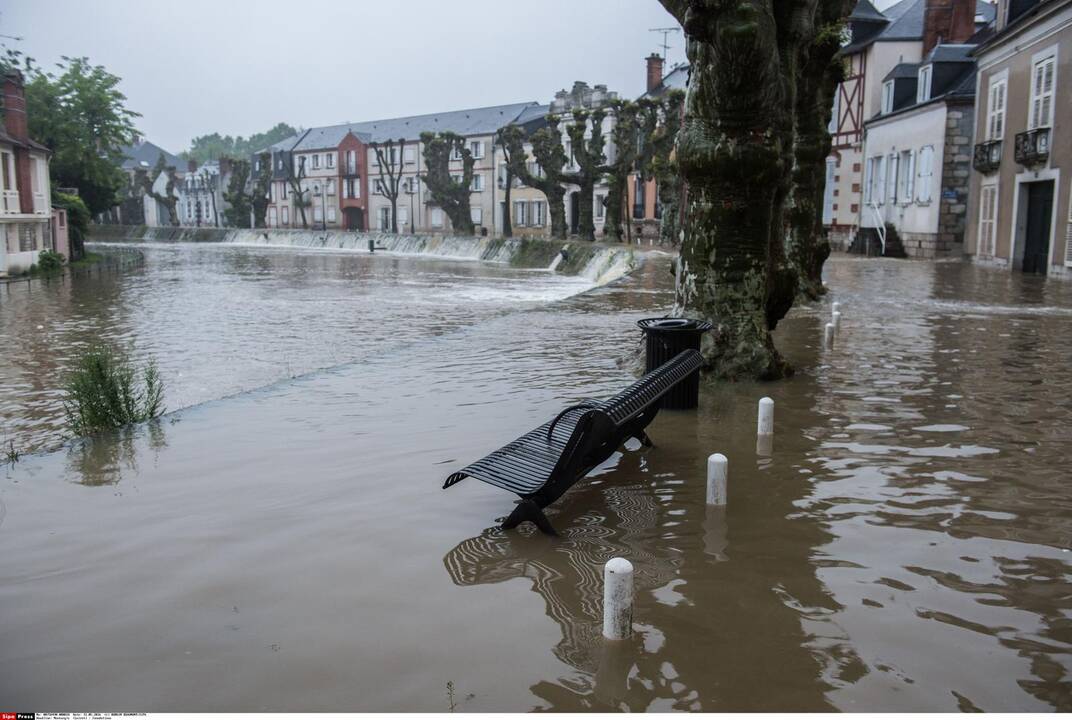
[822, 70]
[730, 151]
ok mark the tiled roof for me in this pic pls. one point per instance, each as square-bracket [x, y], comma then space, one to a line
[950, 53]
[902, 70]
[473, 121]
[148, 153]
[864, 10]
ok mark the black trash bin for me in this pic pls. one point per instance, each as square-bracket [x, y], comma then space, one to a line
[666, 337]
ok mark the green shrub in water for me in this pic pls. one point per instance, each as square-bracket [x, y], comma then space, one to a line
[48, 261]
[106, 391]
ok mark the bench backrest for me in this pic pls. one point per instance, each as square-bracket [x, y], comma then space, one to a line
[650, 388]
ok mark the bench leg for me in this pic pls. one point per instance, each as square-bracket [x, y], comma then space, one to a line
[644, 439]
[528, 510]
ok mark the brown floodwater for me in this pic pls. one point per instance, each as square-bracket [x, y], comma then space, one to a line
[904, 545]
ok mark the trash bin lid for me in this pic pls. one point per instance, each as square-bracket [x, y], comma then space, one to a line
[673, 325]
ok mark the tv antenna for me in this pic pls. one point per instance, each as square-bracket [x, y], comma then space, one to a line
[666, 42]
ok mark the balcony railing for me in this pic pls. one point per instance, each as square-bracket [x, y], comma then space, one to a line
[987, 156]
[9, 202]
[1033, 146]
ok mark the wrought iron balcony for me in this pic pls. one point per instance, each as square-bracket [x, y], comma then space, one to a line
[1033, 146]
[987, 156]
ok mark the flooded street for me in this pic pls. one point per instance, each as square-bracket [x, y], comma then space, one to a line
[903, 547]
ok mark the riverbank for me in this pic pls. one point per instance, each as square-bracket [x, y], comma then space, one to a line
[290, 548]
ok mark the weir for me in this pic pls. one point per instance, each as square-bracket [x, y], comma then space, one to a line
[598, 262]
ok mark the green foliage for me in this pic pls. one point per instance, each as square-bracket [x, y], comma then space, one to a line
[237, 197]
[49, 262]
[626, 139]
[588, 154]
[445, 192]
[103, 391]
[550, 156]
[215, 146]
[79, 114]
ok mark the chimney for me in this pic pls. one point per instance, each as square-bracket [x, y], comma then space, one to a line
[15, 107]
[947, 21]
[655, 71]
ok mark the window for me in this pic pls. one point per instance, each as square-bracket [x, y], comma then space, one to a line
[347, 185]
[318, 213]
[316, 188]
[408, 156]
[995, 114]
[257, 165]
[906, 170]
[1042, 77]
[329, 159]
[988, 209]
[384, 217]
[272, 221]
[437, 217]
[5, 158]
[891, 177]
[331, 187]
[316, 161]
[331, 214]
[600, 207]
[476, 147]
[887, 97]
[535, 170]
[477, 215]
[520, 208]
[377, 187]
[403, 216]
[456, 153]
[478, 182]
[286, 216]
[414, 184]
[923, 90]
[456, 178]
[539, 213]
[351, 162]
[926, 161]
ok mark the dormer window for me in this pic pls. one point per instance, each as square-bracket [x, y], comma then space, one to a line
[887, 97]
[923, 90]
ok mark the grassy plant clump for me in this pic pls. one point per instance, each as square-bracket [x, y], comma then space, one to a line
[49, 261]
[105, 391]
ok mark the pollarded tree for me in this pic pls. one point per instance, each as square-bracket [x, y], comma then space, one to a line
[625, 138]
[508, 182]
[259, 194]
[589, 158]
[389, 158]
[238, 212]
[736, 151]
[550, 160]
[169, 198]
[659, 163]
[446, 192]
[295, 179]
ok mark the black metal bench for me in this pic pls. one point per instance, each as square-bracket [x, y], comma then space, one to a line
[543, 464]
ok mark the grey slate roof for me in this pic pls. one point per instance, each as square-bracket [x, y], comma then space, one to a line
[148, 153]
[906, 21]
[865, 11]
[532, 113]
[902, 70]
[473, 121]
[329, 137]
[951, 53]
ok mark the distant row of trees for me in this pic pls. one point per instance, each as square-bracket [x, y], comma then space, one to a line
[215, 146]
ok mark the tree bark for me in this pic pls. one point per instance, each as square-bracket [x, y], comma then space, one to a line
[590, 163]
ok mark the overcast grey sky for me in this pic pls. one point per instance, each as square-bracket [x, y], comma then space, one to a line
[236, 67]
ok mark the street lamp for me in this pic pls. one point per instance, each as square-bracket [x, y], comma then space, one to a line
[411, 191]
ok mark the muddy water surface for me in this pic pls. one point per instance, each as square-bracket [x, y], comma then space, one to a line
[903, 546]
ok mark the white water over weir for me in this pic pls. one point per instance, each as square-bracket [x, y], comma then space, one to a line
[594, 261]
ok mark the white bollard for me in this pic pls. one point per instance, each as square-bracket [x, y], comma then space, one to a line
[766, 417]
[717, 466]
[828, 335]
[835, 307]
[837, 322]
[618, 599]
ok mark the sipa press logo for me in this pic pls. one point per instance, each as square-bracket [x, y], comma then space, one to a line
[17, 716]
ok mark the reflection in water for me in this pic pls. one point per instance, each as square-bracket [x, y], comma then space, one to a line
[106, 458]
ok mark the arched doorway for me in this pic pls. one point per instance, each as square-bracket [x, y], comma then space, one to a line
[355, 218]
[574, 211]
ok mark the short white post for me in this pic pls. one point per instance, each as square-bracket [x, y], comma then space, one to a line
[766, 417]
[835, 307]
[837, 322]
[618, 599]
[828, 335]
[717, 466]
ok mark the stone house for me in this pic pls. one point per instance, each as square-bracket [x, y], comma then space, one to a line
[1020, 208]
[201, 193]
[25, 191]
[527, 206]
[878, 42]
[917, 157]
